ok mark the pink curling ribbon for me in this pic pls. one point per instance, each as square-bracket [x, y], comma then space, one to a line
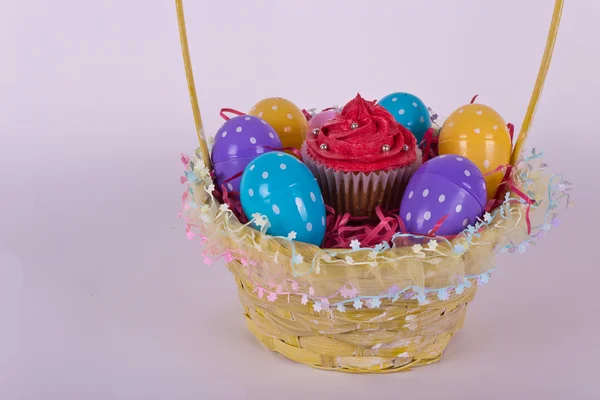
[500, 191]
[511, 131]
[233, 177]
[429, 139]
[231, 111]
[527, 200]
[401, 224]
[438, 225]
[498, 169]
[306, 114]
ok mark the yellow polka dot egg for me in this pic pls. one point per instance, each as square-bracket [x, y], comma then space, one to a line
[479, 133]
[285, 117]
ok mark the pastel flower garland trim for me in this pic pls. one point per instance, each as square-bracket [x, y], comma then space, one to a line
[198, 175]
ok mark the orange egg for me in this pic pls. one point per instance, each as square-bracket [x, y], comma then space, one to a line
[285, 117]
[479, 133]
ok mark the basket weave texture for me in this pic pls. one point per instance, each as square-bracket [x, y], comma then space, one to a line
[394, 337]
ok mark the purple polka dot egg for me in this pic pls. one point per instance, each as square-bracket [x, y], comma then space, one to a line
[448, 186]
[239, 141]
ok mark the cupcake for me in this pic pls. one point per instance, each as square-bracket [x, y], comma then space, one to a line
[362, 159]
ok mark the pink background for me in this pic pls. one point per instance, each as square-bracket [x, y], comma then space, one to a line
[101, 295]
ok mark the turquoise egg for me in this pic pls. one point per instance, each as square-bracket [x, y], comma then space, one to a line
[409, 111]
[280, 187]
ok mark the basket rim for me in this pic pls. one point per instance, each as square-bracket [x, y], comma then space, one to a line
[277, 265]
[518, 207]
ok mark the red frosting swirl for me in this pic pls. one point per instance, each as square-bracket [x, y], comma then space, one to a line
[361, 148]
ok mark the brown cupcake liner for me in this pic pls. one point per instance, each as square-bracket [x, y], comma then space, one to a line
[360, 193]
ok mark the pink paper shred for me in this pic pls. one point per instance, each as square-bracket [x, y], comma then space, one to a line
[341, 229]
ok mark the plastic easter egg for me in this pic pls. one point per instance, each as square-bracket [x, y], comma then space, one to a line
[479, 133]
[447, 186]
[239, 141]
[285, 117]
[280, 187]
[321, 118]
[409, 111]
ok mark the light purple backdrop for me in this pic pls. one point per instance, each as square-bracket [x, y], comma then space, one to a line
[98, 297]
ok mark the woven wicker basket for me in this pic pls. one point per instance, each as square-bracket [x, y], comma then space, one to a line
[394, 337]
[386, 330]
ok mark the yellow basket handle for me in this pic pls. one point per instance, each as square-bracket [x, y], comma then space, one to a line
[525, 127]
[187, 63]
[539, 82]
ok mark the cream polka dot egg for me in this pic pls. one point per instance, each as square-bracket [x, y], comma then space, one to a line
[283, 189]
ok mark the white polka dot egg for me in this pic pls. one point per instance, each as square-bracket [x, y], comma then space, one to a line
[449, 189]
[480, 133]
[283, 189]
[239, 141]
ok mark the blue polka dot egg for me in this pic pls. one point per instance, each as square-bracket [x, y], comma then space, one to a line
[409, 111]
[283, 189]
